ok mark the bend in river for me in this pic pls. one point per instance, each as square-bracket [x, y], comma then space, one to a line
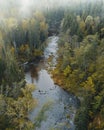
[61, 113]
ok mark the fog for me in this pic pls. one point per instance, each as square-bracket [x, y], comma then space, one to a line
[24, 8]
[27, 5]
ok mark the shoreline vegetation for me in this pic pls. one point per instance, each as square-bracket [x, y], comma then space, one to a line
[80, 63]
[79, 68]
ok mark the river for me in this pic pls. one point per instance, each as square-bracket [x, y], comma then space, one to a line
[63, 106]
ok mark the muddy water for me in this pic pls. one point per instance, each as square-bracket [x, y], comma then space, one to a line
[60, 115]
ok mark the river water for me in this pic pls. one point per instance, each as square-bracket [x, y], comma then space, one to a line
[63, 106]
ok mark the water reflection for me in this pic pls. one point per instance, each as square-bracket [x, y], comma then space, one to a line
[62, 112]
[34, 73]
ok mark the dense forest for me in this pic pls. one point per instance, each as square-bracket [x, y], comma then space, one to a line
[80, 67]
[80, 62]
[22, 39]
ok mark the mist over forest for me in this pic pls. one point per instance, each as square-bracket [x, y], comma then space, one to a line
[71, 34]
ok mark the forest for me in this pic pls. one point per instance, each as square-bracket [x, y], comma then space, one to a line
[80, 63]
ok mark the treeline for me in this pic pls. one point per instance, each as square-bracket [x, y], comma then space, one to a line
[16, 99]
[15, 96]
[80, 67]
[22, 38]
[24, 32]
